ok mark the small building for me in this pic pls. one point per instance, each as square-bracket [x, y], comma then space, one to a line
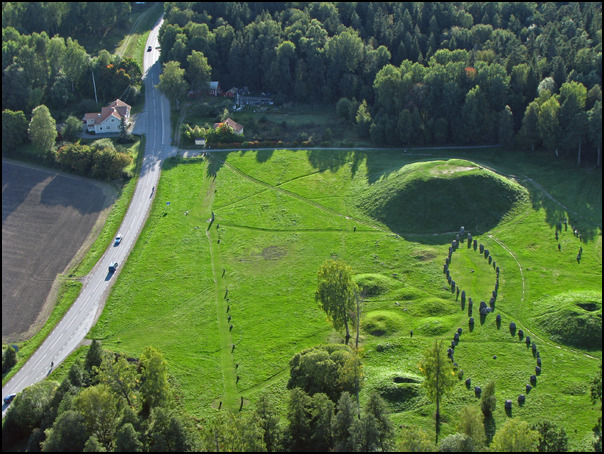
[110, 118]
[231, 93]
[237, 128]
[214, 89]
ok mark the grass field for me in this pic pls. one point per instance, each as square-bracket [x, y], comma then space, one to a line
[230, 301]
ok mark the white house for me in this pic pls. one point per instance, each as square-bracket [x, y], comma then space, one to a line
[214, 89]
[110, 118]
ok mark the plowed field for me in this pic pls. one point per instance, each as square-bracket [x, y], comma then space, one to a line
[47, 217]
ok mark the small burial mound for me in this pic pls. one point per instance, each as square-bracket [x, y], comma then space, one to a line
[401, 391]
[382, 323]
[374, 285]
[573, 318]
[439, 196]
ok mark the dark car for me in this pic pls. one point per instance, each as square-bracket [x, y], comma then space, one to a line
[8, 399]
[149, 49]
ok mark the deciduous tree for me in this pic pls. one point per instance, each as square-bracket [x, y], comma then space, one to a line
[155, 389]
[42, 128]
[439, 376]
[515, 436]
[172, 82]
[335, 292]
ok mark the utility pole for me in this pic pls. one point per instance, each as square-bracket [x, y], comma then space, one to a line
[94, 85]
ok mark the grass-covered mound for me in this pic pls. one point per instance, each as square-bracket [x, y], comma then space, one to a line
[373, 285]
[573, 318]
[382, 323]
[440, 196]
[402, 391]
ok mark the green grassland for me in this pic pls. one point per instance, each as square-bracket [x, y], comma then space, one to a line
[229, 302]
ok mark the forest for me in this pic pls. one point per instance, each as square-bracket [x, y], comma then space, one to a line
[521, 74]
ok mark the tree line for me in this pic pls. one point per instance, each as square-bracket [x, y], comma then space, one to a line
[113, 402]
[57, 72]
[408, 73]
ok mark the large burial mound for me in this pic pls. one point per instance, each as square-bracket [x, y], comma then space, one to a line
[573, 318]
[439, 196]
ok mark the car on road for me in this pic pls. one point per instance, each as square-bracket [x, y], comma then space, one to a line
[118, 239]
[149, 49]
[8, 399]
[112, 267]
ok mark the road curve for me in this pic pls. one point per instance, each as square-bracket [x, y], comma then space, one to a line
[77, 322]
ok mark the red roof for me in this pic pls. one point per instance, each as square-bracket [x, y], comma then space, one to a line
[236, 126]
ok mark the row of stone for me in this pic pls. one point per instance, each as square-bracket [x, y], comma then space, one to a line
[484, 310]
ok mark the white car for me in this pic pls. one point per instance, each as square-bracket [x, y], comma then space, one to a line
[118, 239]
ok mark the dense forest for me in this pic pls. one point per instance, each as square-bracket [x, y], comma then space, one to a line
[524, 74]
[521, 73]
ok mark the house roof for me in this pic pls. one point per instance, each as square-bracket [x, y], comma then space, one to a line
[214, 85]
[233, 124]
[118, 109]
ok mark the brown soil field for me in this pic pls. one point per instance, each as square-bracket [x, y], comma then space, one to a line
[49, 218]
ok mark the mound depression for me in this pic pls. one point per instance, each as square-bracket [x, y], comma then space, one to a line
[439, 196]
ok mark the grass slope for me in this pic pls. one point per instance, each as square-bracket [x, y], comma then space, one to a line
[440, 196]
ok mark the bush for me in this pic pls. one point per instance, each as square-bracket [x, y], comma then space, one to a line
[325, 369]
[9, 359]
[456, 443]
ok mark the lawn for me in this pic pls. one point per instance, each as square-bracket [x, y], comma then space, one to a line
[230, 300]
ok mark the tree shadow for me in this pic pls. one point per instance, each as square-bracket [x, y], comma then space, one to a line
[331, 160]
[490, 427]
[264, 155]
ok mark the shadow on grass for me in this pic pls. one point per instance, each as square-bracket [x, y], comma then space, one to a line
[490, 427]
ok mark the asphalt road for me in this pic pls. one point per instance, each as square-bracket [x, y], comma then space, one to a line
[78, 321]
